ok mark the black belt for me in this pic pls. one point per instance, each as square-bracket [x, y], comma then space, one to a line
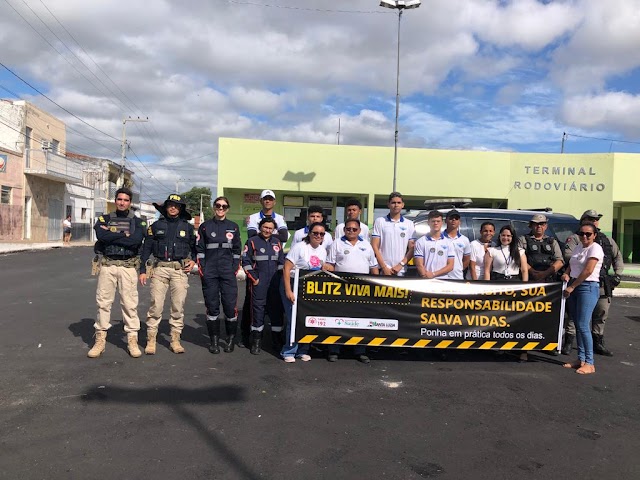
[120, 257]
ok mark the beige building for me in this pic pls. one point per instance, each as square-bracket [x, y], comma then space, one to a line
[37, 172]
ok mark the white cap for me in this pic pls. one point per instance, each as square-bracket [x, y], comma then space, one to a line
[267, 193]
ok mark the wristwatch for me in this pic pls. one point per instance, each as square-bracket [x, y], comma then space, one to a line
[403, 264]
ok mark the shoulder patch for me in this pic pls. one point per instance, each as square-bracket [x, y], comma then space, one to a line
[101, 218]
[144, 224]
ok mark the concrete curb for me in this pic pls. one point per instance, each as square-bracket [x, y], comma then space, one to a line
[29, 247]
[626, 292]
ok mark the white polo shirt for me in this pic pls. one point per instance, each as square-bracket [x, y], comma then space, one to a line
[462, 248]
[435, 252]
[394, 239]
[477, 255]
[303, 232]
[349, 258]
[364, 232]
[254, 222]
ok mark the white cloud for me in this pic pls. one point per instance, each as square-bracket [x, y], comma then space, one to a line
[612, 111]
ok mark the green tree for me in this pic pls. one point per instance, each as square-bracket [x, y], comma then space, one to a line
[192, 197]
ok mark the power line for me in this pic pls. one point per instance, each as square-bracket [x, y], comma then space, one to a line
[305, 9]
[55, 103]
[601, 139]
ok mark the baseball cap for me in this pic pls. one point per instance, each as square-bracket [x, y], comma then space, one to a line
[267, 193]
[538, 218]
[453, 212]
[590, 214]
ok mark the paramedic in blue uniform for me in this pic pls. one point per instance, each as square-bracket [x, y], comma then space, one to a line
[263, 261]
[268, 202]
[218, 246]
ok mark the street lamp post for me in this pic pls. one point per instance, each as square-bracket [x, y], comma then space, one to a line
[401, 6]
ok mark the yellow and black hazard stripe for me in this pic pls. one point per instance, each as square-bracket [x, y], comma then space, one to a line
[423, 343]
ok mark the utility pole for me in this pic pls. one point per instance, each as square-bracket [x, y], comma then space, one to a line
[124, 146]
[201, 212]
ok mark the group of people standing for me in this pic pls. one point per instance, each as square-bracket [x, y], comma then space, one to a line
[385, 250]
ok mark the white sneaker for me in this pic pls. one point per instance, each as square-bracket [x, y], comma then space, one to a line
[305, 357]
[289, 359]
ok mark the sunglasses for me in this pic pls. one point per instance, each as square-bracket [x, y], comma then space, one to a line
[454, 217]
[351, 229]
[541, 224]
[585, 234]
[318, 234]
[220, 206]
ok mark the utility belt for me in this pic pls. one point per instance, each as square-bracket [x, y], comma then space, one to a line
[98, 261]
[131, 262]
[501, 277]
[608, 283]
[176, 264]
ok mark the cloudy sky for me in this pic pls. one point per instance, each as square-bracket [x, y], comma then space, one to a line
[475, 74]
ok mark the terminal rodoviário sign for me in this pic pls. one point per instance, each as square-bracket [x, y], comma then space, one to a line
[350, 309]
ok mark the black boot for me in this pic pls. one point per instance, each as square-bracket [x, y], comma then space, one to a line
[567, 345]
[213, 327]
[598, 346]
[277, 341]
[256, 338]
[231, 326]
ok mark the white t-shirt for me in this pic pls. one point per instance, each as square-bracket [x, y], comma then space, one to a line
[364, 232]
[477, 255]
[579, 260]
[358, 258]
[303, 232]
[394, 239]
[305, 257]
[66, 223]
[462, 248]
[435, 252]
[254, 222]
[502, 261]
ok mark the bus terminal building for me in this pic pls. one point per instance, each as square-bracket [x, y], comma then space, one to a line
[303, 174]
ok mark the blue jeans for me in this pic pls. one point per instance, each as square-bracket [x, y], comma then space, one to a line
[581, 303]
[290, 349]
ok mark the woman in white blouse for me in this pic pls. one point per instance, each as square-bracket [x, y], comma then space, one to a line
[583, 292]
[502, 263]
[309, 254]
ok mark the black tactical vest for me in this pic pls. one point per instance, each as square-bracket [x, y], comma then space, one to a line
[166, 248]
[118, 224]
[539, 252]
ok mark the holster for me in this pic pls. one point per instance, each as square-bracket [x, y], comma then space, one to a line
[95, 265]
[606, 282]
[150, 268]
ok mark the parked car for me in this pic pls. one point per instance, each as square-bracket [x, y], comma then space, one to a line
[560, 225]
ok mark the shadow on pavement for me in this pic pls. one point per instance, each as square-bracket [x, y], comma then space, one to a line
[84, 329]
[178, 399]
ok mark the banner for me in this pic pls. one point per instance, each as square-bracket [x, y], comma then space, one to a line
[351, 309]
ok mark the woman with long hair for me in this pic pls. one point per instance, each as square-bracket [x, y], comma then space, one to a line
[503, 263]
[583, 292]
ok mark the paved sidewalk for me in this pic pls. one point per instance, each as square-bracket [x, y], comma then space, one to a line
[25, 246]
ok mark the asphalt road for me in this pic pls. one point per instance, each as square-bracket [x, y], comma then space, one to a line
[238, 416]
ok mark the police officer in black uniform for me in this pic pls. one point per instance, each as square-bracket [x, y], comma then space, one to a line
[120, 236]
[263, 261]
[544, 256]
[218, 246]
[172, 241]
[612, 258]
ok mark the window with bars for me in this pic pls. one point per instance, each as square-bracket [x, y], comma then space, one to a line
[5, 197]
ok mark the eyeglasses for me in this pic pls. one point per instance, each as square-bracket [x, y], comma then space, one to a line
[220, 206]
[351, 229]
[318, 234]
[585, 234]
